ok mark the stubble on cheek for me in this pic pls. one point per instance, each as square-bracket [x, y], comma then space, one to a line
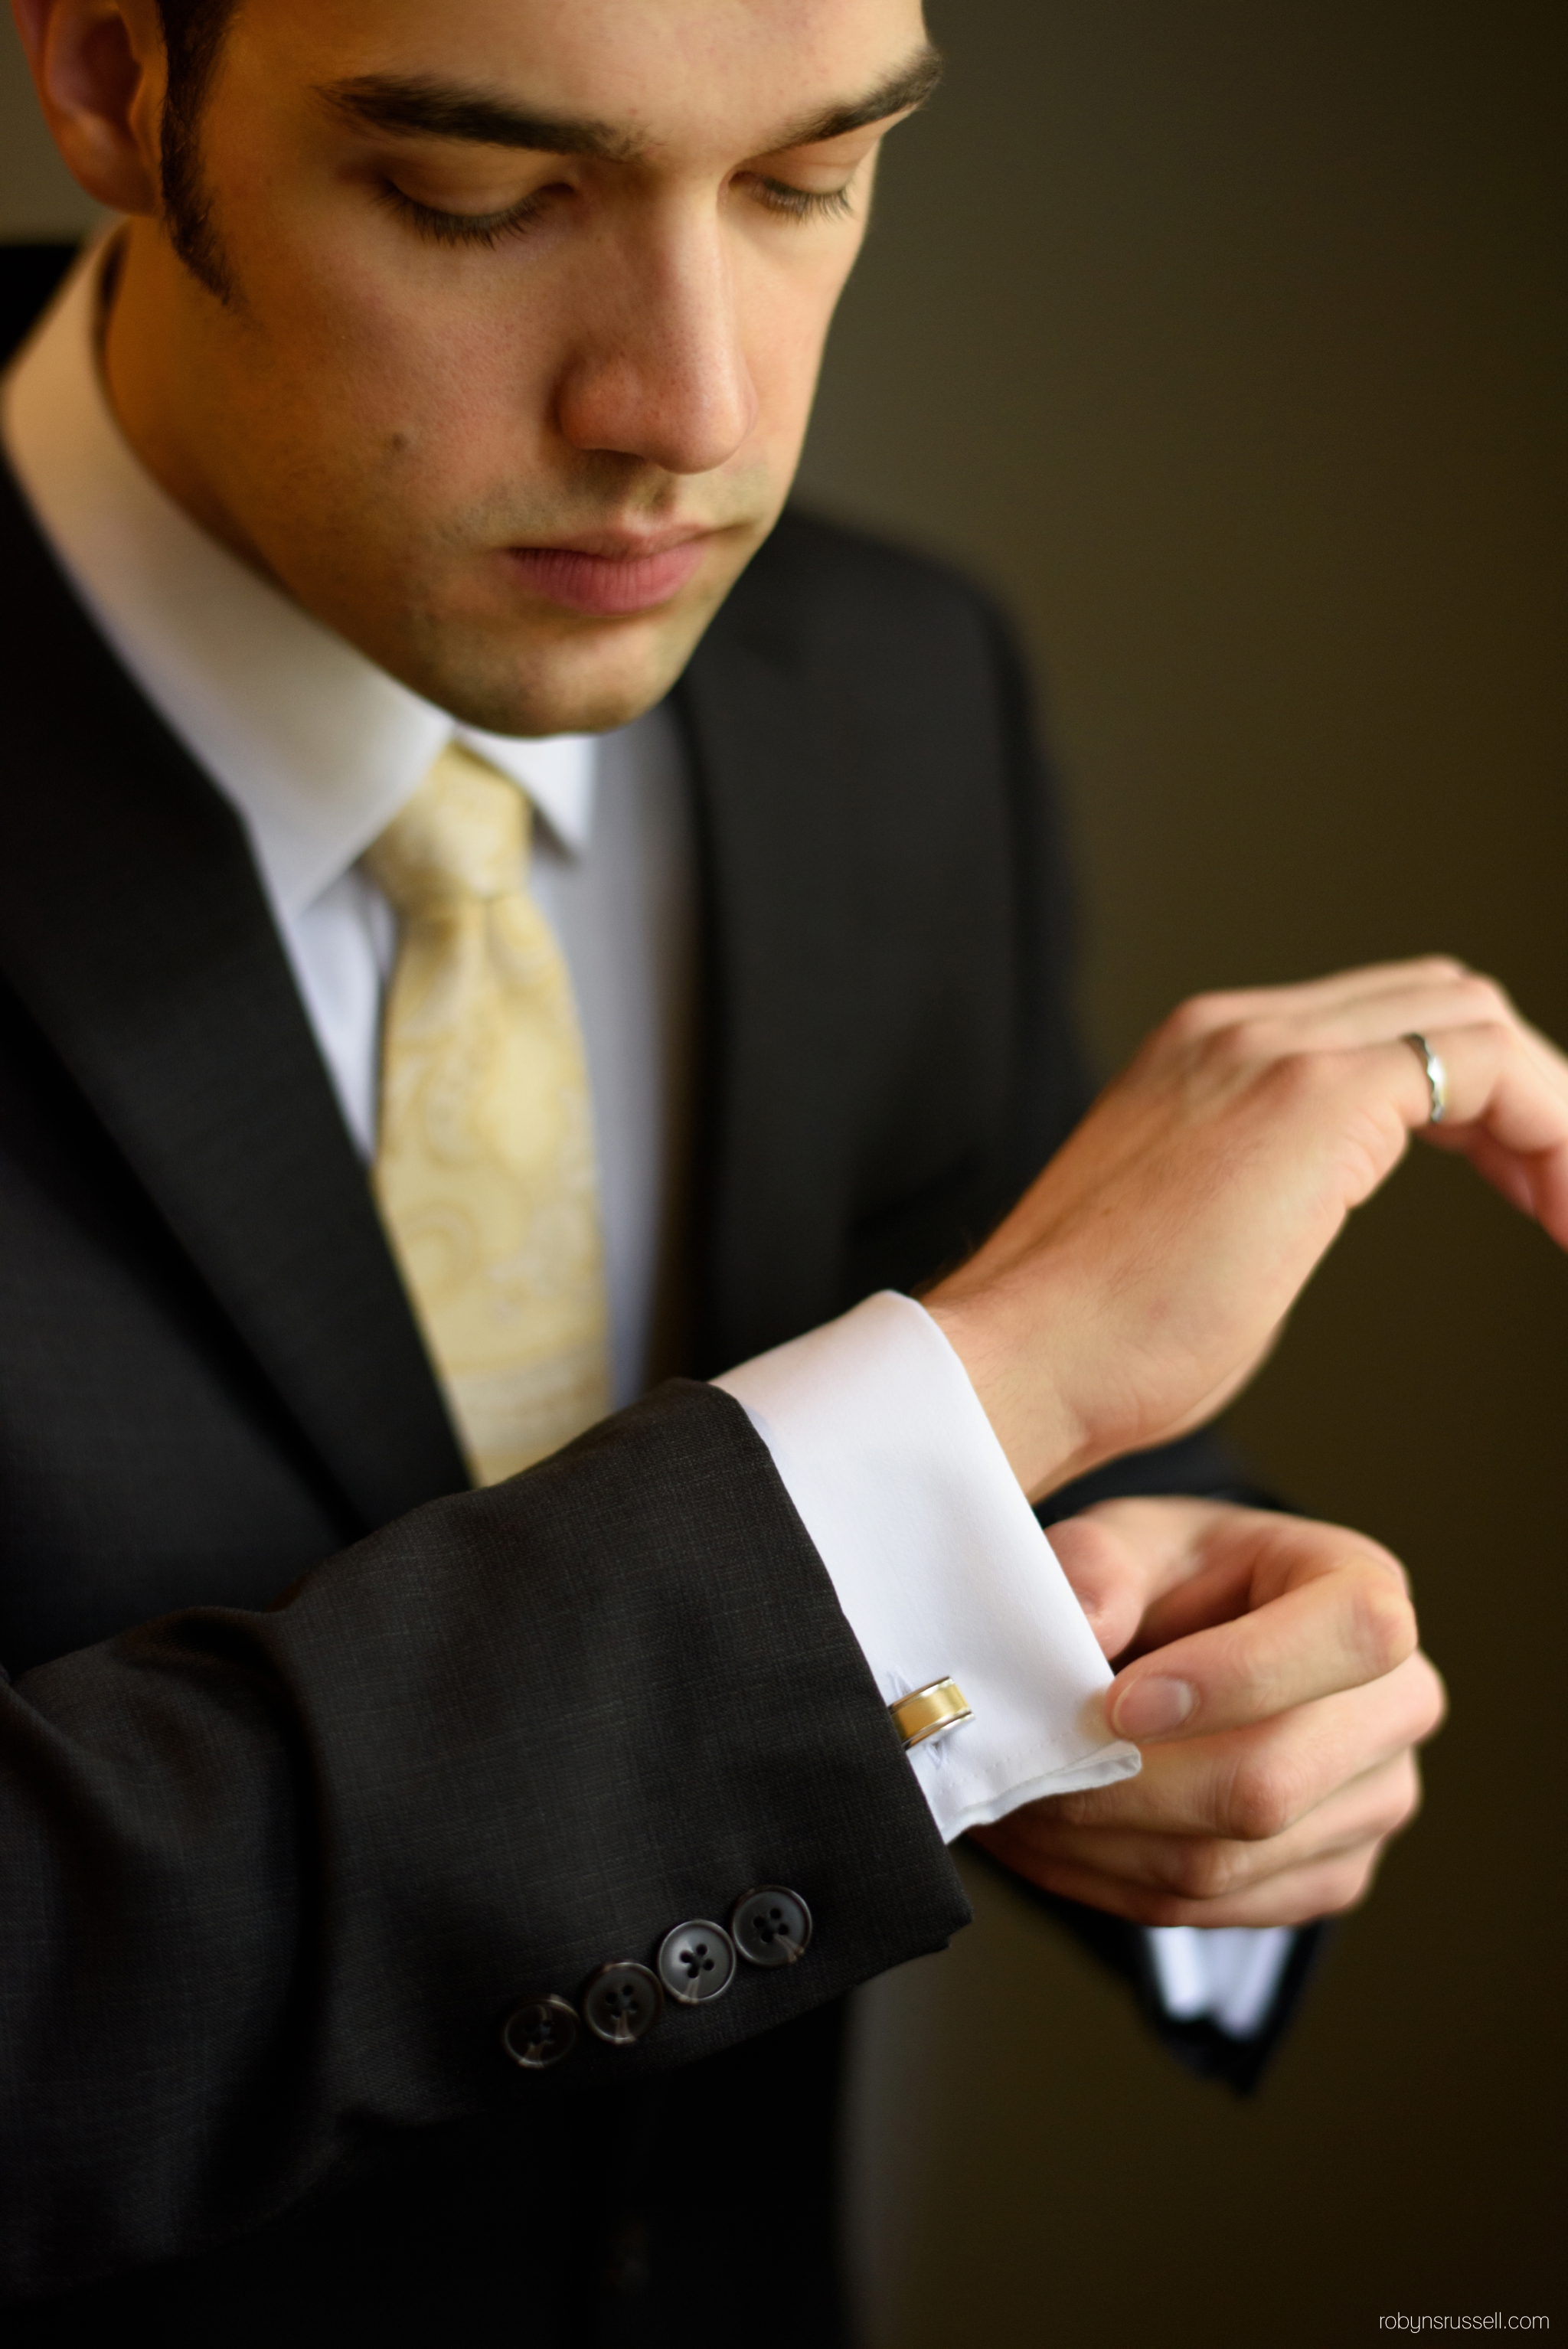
[385, 503]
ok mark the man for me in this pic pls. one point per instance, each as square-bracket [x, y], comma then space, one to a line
[428, 1907]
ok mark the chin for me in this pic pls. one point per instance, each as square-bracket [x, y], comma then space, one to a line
[575, 682]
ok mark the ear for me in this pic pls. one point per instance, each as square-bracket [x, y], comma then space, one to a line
[98, 67]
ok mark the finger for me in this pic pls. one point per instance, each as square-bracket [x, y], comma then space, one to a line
[1503, 1075]
[1256, 1782]
[1507, 1111]
[1110, 1575]
[1121, 1558]
[1314, 999]
[1336, 1626]
[1383, 1014]
[1157, 1567]
[1524, 1183]
[1219, 1867]
[1507, 1083]
[1237, 1559]
[1498, 1082]
[1551, 1056]
[1327, 1889]
[1354, 1073]
[1377, 1004]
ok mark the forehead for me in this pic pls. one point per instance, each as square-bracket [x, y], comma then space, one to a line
[664, 74]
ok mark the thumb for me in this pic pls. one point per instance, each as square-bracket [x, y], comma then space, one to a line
[1107, 1577]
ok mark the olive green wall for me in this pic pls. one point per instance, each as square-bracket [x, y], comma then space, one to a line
[1227, 342]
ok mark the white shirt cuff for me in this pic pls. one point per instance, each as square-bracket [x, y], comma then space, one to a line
[937, 1557]
[1226, 1975]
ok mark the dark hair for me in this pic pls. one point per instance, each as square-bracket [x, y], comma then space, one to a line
[192, 35]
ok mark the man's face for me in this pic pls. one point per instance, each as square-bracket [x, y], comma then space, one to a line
[510, 407]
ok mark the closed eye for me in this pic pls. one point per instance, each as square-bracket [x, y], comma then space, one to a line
[484, 229]
[799, 203]
[488, 230]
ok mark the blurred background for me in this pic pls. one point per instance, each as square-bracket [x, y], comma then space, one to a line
[1227, 343]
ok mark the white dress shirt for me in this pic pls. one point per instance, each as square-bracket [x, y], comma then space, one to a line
[935, 1555]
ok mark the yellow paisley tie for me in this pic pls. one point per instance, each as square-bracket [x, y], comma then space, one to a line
[484, 1165]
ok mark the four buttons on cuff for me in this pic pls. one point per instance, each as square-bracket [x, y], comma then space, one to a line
[539, 2033]
[771, 1925]
[696, 1961]
[621, 2004]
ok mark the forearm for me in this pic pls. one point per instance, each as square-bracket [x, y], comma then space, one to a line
[270, 1874]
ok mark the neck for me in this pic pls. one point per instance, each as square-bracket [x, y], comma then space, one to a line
[156, 326]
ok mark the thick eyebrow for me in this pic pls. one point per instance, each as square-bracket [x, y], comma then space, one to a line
[909, 86]
[432, 110]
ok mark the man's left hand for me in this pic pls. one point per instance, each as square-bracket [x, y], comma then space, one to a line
[1269, 1672]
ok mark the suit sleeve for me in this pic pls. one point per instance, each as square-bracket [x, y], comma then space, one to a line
[273, 1881]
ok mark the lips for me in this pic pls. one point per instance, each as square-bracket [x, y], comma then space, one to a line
[611, 584]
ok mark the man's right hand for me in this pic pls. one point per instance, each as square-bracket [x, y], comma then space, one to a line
[1141, 1279]
[1268, 1668]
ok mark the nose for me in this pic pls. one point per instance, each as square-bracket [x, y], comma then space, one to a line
[661, 371]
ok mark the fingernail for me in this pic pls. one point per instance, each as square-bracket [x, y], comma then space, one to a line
[1151, 1707]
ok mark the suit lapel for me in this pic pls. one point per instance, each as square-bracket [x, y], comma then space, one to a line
[768, 765]
[133, 927]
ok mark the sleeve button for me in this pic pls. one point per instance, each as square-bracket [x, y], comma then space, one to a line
[539, 2033]
[696, 1961]
[621, 2004]
[771, 1925]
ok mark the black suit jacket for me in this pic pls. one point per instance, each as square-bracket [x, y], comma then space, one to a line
[313, 1762]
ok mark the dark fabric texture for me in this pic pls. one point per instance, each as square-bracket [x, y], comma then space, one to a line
[28, 276]
[313, 1762]
[1201, 2045]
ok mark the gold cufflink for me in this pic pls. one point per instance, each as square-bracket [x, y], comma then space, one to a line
[939, 1705]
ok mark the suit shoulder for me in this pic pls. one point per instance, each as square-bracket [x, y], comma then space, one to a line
[820, 589]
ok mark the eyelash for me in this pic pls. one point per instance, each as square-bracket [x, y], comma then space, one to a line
[801, 204]
[491, 229]
[487, 229]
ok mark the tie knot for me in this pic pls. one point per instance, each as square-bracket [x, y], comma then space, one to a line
[462, 835]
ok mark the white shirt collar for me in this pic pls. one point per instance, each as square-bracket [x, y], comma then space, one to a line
[315, 746]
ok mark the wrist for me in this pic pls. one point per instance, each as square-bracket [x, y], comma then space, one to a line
[1012, 1369]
